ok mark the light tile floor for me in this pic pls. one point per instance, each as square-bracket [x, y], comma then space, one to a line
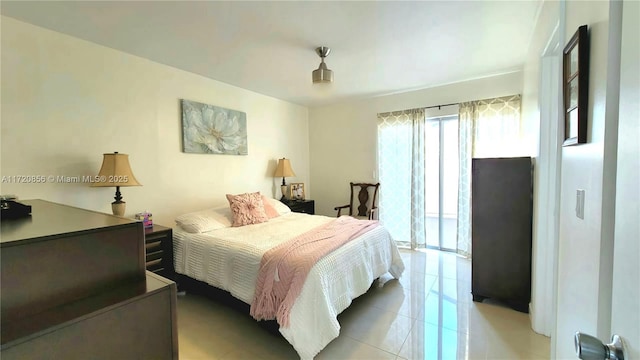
[427, 314]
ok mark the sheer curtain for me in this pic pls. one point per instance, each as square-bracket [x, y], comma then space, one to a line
[487, 128]
[401, 154]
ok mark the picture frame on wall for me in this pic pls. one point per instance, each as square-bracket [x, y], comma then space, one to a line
[209, 129]
[297, 191]
[576, 87]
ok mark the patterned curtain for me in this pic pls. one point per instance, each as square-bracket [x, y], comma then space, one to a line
[401, 151]
[487, 128]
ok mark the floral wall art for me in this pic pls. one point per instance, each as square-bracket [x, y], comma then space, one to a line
[209, 129]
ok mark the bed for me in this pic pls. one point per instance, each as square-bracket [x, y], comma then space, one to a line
[228, 258]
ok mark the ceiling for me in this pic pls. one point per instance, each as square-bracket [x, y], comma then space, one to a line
[377, 48]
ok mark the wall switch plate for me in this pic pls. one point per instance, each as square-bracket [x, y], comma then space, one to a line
[580, 203]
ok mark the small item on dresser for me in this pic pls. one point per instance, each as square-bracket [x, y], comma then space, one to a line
[146, 218]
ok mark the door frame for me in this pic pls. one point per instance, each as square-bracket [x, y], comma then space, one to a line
[549, 171]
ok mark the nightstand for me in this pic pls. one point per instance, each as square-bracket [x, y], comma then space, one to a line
[301, 206]
[158, 242]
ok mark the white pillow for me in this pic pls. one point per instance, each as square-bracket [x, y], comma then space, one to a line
[279, 206]
[206, 220]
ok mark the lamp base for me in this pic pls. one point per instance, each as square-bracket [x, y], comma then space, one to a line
[118, 208]
[283, 189]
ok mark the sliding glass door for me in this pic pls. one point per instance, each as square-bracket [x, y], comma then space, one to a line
[418, 167]
[441, 182]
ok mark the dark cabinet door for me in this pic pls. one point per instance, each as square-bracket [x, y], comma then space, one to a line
[501, 193]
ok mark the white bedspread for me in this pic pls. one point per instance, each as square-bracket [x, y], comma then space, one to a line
[229, 259]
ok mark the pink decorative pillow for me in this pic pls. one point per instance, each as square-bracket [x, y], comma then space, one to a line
[247, 209]
[269, 209]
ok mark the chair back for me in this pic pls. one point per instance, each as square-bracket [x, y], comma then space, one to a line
[363, 199]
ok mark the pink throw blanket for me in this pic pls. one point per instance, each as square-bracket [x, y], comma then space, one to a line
[284, 268]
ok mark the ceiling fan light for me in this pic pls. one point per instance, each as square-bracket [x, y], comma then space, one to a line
[322, 74]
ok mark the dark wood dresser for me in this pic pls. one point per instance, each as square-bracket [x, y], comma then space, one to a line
[502, 210]
[74, 286]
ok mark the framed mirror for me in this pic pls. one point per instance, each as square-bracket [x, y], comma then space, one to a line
[576, 87]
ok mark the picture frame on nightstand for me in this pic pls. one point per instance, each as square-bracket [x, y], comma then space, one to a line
[296, 191]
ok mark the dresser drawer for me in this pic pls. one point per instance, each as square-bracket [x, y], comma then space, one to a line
[159, 250]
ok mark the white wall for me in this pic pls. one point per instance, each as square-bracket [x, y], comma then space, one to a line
[66, 101]
[585, 246]
[343, 137]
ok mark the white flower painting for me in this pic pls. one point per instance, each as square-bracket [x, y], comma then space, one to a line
[209, 129]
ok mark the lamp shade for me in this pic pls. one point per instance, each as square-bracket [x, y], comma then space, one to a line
[115, 171]
[284, 169]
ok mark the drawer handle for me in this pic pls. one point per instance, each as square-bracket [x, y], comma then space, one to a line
[152, 244]
[154, 255]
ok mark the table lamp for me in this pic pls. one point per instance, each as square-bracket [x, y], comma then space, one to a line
[116, 171]
[284, 169]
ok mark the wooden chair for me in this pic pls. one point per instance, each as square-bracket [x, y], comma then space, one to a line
[366, 195]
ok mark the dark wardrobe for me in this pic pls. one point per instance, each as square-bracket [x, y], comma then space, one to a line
[501, 215]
